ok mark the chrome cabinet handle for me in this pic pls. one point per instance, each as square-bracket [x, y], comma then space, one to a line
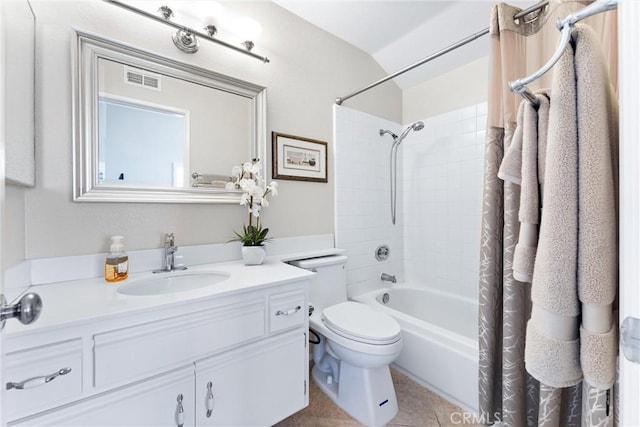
[37, 381]
[288, 312]
[180, 411]
[209, 399]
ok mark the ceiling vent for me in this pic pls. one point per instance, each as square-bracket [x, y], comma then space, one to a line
[138, 77]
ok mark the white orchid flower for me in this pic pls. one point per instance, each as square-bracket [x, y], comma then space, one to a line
[247, 185]
[255, 210]
[254, 187]
[273, 187]
[255, 168]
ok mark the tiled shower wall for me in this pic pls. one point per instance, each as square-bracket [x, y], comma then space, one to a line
[443, 181]
[435, 241]
[363, 218]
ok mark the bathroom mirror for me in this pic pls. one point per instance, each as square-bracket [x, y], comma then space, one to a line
[19, 32]
[151, 129]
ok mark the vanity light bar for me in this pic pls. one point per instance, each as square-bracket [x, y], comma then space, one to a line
[182, 29]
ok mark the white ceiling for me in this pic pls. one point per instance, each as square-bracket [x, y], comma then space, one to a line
[399, 33]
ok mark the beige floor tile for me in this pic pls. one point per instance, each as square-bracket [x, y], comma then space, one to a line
[417, 407]
[321, 406]
[332, 422]
[297, 420]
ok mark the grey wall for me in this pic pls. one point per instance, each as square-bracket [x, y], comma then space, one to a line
[309, 69]
[461, 87]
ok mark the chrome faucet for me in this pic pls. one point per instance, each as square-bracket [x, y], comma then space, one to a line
[170, 250]
[387, 278]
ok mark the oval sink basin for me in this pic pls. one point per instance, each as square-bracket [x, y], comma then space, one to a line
[167, 283]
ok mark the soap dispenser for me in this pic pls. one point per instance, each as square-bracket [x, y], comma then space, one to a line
[116, 267]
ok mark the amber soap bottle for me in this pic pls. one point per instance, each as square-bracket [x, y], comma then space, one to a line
[116, 267]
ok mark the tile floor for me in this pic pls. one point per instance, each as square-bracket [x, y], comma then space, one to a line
[417, 407]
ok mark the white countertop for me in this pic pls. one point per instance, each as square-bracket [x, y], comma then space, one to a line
[80, 300]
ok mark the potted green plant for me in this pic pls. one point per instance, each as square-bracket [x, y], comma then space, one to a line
[253, 236]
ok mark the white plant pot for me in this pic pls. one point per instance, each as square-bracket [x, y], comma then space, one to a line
[253, 255]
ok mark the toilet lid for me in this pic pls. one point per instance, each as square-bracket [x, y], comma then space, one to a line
[360, 322]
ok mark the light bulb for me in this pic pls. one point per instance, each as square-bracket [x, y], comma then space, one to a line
[247, 28]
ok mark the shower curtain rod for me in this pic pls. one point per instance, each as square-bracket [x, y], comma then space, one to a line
[438, 54]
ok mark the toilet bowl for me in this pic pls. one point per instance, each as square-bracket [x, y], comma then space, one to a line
[352, 367]
[357, 344]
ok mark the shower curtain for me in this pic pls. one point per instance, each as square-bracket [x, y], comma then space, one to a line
[508, 394]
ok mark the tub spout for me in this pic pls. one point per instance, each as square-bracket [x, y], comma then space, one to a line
[387, 278]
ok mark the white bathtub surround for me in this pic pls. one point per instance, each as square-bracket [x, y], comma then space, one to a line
[439, 199]
[439, 335]
[362, 198]
[442, 170]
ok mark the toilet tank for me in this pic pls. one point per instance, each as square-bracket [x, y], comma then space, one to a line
[329, 285]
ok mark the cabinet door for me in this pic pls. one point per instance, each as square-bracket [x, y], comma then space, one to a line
[256, 385]
[153, 402]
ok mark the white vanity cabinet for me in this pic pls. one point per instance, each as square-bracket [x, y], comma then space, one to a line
[229, 360]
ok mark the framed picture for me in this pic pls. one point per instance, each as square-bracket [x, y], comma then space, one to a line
[299, 159]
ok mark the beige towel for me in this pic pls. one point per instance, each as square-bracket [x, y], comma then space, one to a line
[576, 261]
[535, 123]
[598, 210]
[511, 166]
[212, 184]
[210, 180]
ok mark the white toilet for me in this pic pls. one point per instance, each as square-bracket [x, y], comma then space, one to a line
[357, 344]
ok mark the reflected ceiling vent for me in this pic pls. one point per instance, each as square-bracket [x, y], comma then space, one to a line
[137, 77]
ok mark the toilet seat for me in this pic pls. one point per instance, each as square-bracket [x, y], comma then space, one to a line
[359, 322]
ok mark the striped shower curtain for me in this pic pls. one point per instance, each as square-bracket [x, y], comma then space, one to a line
[508, 395]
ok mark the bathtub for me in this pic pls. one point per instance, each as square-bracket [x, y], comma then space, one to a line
[440, 339]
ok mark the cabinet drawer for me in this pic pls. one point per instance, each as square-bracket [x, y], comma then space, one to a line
[152, 402]
[40, 377]
[287, 310]
[150, 348]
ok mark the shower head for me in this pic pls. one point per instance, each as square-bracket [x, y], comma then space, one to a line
[393, 135]
[417, 126]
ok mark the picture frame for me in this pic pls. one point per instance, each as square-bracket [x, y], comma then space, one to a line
[299, 159]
